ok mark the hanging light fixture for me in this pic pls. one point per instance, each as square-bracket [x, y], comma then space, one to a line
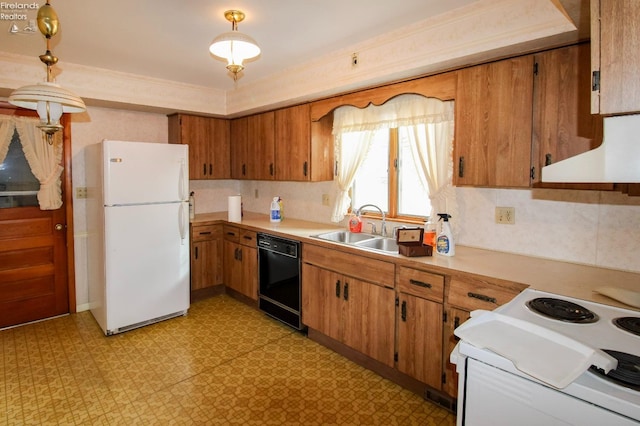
[47, 98]
[234, 46]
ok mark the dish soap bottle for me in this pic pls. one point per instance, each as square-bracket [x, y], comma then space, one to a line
[444, 243]
[355, 223]
[275, 210]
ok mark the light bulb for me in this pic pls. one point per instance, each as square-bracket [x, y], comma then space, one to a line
[49, 112]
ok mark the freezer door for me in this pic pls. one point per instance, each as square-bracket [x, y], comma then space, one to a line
[142, 172]
[146, 262]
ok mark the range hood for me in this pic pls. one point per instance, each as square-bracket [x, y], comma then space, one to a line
[616, 160]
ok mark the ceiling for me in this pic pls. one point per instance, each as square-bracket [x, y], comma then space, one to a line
[170, 39]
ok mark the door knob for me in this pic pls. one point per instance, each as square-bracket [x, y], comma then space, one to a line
[59, 227]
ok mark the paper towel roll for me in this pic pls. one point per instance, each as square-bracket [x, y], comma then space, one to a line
[235, 208]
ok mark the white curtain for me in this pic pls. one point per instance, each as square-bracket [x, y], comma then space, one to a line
[434, 163]
[44, 160]
[7, 128]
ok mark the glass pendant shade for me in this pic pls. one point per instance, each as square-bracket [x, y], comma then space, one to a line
[49, 99]
[234, 47]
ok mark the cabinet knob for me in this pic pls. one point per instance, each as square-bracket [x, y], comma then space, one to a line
[59, 227]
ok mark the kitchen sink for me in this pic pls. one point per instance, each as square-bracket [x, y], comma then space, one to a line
[345, 237]
[383, 244]
[365, 241]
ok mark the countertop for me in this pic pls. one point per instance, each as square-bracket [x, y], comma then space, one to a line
[561, 278]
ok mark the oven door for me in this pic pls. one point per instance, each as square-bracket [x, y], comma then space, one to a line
[492, 396]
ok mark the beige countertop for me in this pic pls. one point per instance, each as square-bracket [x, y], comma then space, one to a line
[562, 278]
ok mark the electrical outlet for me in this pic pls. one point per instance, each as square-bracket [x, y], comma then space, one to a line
[325, 199]
[81, 192]
[506, 215]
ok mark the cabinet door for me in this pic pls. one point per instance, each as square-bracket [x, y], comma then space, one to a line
[239, 148]
[562, 123]
[420, 339]
[232, 266]
[249, 268]
[454, 317]
[368, 319]
[493, 124]
[206, 265]
[322, 301]
[292, 143]
[261, 149]
[615, 55]
[219, 149]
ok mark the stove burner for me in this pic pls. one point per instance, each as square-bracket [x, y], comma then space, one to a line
[630, 324]
[562, 310]
[626, 374]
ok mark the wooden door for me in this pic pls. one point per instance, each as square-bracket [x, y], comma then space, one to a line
[322, 301]
[249, 267]
[206, 270]
[36, 253]
[420, 339]
[239, 148]
[369, 319]
[261, 151]
[454, 318]
[494, 105]
[292, 145]
[232, 266]
[219, 149]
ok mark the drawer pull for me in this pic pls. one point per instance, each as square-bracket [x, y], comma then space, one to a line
[247, 237]
[233, 234]
[205, 233]
[482, 297]
[420, 283]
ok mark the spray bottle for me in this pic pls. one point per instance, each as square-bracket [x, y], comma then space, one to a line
[444, 243]
[275, 210]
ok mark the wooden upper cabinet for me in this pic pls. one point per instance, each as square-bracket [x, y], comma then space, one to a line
[261, 150]
[209, 145]
[493, 124]
[615, 54]
[563, 125]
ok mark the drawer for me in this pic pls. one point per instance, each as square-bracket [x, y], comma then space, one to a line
[421, 284]
[206, 232]
[248, 238]
[372, 270]
[471, 293]
[232, 233]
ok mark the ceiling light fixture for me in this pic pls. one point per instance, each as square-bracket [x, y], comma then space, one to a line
[234, 46]
[47, 98]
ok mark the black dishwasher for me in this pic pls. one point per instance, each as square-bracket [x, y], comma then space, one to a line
[279, 280]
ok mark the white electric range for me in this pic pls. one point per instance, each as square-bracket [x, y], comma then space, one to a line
[521, 365]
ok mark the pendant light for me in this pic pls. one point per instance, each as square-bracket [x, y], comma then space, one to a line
[234, 46]
[47, 98]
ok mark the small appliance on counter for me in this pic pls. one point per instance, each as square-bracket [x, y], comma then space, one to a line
[138, 233]
[545, 359]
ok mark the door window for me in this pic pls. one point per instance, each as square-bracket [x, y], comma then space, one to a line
[18, 186]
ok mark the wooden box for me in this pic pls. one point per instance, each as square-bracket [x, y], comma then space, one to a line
[410, 243]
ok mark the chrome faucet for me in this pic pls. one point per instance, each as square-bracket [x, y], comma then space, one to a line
[383, 230]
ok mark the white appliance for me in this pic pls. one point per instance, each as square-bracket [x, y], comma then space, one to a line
[138, 239]
[519, 366]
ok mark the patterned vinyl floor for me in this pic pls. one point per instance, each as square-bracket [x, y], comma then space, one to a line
[224, 363]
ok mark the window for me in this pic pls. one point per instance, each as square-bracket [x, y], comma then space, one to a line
[18, 186]
[388, 178]
[396, 156]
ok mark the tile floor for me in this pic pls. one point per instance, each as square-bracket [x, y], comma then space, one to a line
[224, 363]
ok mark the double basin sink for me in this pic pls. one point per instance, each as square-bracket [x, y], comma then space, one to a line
[365, 241]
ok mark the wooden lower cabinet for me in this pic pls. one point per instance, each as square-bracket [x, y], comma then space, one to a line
[206, 256]
[241, 262]
[356, 313]
[420, 339]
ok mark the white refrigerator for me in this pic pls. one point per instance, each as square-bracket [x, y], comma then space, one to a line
[137, 233]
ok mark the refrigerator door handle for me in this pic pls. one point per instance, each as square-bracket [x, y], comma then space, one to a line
[182, 182]
[181, 221]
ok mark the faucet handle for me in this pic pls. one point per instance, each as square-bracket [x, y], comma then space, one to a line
[373, 227]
